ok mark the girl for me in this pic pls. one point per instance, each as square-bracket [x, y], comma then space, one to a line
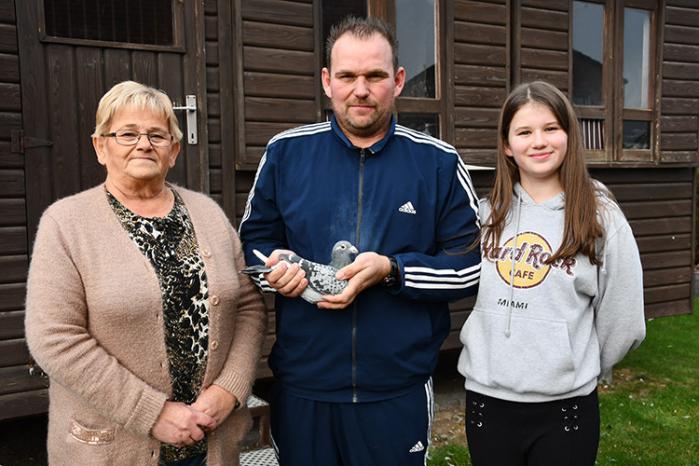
[561, 293]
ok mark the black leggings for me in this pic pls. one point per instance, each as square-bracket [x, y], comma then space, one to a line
[507, 433]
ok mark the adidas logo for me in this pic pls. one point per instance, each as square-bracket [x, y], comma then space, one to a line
[407, 208]
[418, 446]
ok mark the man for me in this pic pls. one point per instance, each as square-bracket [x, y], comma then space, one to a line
[354, 371]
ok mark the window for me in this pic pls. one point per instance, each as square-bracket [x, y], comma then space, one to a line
[115, 23]
[614, 98]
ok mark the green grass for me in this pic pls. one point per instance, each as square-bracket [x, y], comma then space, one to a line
[650, 415]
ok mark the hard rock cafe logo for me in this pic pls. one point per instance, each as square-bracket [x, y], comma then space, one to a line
[531, 254]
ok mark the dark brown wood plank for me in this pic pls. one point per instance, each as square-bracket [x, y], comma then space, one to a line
[678, 141]
[279, 85]
[62, 99]
[278, 61]
[214, 126]
[13, 240]
[213, 104]
[677, 70]
[682, 16]
[475, 75]
[15, 379]
[557, 78]
[544, 59]
[144, 67]
[117, 66]
[679, 243]
[14, 268]
[476, 137]
[210, 27]
[680, 157]
[543, 39]
[277, 11]
[170, 81]
[477, 156]
[679, 124]
[657, 209]
[9, 159]
[24, 404]
[9, 121]
[90, 89]
[681, 34]
[212, 79]
[559, 5]
[7, 11]
[258, 133]
[544, 19]
[13, 352]
[659, 226]
[661, 260]
[215, 180]
[210, 7]
[476, 117]
[476, 33]
[653, 191]
[667, 276]
[9, 68]
[10, 97]
[679, 52]
[669, 308]
[13, 212]
[212, 53]
[474, 54]
[280, 110]
[11, 324]
[11, 183]
[479, 12]
[214, 155]
[680, 106]
[479, 96]
[8, 38]
[612, 176]
[278, 36]
[12, 296]
[667, 293]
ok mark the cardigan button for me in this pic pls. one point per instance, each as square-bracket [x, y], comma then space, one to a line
[206, 252]
[214, 345]
[215, 300]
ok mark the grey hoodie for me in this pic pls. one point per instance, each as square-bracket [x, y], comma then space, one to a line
[551, 333]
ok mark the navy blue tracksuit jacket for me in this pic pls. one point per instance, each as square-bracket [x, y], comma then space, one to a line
[408, 196]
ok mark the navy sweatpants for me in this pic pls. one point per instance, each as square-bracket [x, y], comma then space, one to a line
[506, 433]
[392, 432]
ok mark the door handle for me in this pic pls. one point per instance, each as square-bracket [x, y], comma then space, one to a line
[191, 112]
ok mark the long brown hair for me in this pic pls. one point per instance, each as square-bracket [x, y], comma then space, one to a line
[581, 224]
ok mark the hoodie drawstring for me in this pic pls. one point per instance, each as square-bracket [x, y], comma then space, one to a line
[508, 331]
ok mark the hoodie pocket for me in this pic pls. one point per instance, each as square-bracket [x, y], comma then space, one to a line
[536, 358]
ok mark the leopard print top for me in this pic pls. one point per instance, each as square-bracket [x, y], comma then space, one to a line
[170, 244]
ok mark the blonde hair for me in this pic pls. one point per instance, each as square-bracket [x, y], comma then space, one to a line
[133, 94]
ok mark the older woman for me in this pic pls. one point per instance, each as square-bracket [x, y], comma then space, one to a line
[135, 308]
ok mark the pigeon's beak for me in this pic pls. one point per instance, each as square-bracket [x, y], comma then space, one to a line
[353, 250]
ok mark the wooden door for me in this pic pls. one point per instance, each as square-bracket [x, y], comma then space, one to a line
[49, 89]
[63, 78]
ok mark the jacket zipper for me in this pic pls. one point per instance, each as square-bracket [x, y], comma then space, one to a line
[362, 158]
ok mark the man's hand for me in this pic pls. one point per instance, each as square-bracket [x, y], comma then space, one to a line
[216, 402]
[179, 424]
[289, 281]
[367, 270]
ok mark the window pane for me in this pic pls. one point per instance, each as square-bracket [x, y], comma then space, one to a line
[588, 58]
[636, 134]
[636, 57]
[415, 28]
[427, 123]
[134, 21]
[333, 12]
[593, 133]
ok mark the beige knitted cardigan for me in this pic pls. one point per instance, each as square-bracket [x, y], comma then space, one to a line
[94, 323]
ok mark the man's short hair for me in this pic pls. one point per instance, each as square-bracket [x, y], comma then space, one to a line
[361, 28]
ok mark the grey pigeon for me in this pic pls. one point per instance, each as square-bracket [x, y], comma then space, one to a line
[321, 277]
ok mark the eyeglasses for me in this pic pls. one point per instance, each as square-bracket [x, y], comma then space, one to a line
[128, 137]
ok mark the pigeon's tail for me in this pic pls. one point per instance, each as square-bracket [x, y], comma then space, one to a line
[256, 270]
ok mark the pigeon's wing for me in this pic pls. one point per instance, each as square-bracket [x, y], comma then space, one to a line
[256, 269]
[321, 278]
